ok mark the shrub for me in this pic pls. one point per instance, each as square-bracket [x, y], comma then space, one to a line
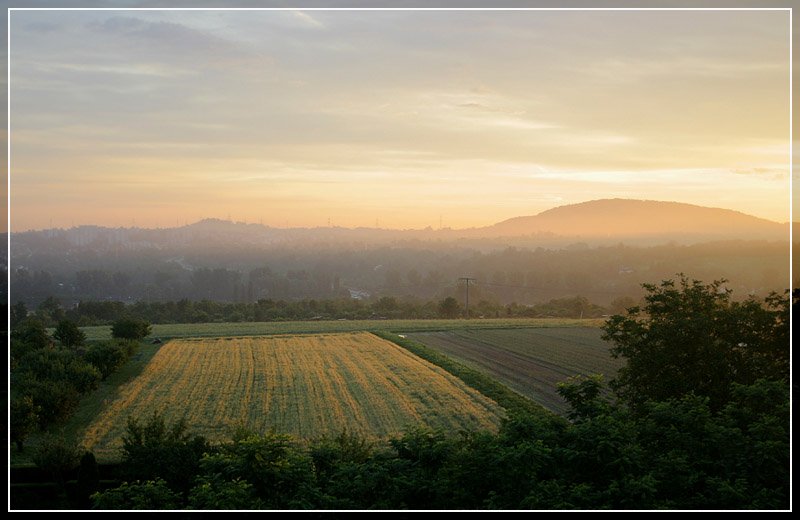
[150, 494]
[24, 418]
[69, 334]
[130, 328]
[57, 456]
[107, 357]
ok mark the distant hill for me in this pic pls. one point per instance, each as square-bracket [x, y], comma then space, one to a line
[626, 218]
[598, 222]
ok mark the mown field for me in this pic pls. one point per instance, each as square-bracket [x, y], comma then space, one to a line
[187, 330]
[308, 386]
[530, 361]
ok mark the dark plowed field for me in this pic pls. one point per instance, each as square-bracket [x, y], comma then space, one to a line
[530, 361]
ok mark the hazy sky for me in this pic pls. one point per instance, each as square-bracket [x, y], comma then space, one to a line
[396, 118]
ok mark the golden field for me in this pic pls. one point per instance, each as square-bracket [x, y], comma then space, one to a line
[307, 386]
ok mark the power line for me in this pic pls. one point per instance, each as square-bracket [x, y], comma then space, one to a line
[466, 281]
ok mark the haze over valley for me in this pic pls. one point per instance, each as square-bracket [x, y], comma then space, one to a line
[600, 249]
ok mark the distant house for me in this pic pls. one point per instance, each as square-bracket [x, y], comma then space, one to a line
[625, 270]
[358, 294]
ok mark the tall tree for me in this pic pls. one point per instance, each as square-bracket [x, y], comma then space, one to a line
[24, 419]
[128, 328]
[18, 313]
[449, 308]
[50, 310]
[69, 334]
[692, 338]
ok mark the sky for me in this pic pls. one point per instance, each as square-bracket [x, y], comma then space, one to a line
[395, 119]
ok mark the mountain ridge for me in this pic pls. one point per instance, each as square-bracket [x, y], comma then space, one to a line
[598, 221]
[632, 217]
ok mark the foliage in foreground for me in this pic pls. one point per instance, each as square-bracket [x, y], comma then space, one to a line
[47, 381]
[687, 442]
[675, 454]
[693, 338]
[724, 446]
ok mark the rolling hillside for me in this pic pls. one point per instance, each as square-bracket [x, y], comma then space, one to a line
[624, 218]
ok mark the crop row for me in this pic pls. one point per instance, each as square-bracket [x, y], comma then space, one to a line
[529, 361]
[309, 386]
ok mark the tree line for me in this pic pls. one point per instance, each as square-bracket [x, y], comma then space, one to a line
[87, 313]
[50, 373]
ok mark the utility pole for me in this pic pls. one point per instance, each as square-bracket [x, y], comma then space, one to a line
[467, 281]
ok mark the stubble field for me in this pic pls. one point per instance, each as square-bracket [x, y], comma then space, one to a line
[308, 386]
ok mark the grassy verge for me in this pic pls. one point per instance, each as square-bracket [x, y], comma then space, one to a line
[195, 330]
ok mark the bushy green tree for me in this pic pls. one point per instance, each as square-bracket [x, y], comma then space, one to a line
[155, 449]
[69, 334]
[24, 418]
[216, 492]
[449, 308]
[386, 305]
[18, 312]
[329, 452]
[31, 333]
[107, 357]
[60, 365]
[50, 311]
[84, 376]
[138, 495]
[130, 328]
[693, 338]
[278, 467]
[57, 456]
[55, 400]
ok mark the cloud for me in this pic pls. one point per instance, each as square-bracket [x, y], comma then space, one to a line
[308, 20]
[769, 173]
[126, 69]
[280, 100]
[166, 36]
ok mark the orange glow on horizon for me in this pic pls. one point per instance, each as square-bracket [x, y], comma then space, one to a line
[158, 119]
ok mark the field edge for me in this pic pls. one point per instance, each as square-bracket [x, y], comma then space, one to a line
[513, 402]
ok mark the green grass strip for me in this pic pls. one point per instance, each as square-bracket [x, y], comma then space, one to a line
[513, 402]
[263, 328]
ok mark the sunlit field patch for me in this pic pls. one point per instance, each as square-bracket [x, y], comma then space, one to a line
[308, 386]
